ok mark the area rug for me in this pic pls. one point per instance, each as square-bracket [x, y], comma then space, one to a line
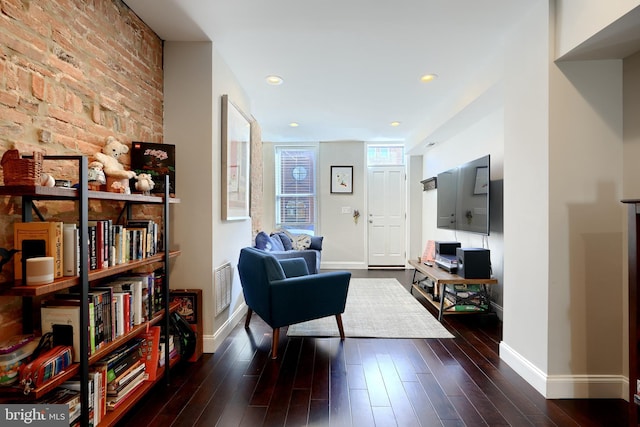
[377, 308]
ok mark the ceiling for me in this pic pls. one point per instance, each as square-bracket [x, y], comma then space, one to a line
[350, 67]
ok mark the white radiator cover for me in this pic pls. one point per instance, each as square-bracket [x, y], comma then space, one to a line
[222, 287]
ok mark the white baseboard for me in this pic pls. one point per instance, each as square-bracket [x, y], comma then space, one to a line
[343, 265]
[211, 343]
[565, 386]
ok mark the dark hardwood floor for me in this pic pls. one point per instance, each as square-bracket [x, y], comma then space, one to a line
[363, 382]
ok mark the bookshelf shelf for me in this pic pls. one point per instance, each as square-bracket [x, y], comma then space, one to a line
[81, 197]
[61, 193]
[18, 289]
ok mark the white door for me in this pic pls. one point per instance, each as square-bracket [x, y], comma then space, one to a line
[386, 216]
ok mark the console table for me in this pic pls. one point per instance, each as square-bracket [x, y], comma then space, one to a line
[465, 295]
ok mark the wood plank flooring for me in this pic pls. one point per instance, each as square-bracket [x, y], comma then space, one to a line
[363, 382]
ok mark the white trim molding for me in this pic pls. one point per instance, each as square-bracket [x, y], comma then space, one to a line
[211, 343]
[565, 386]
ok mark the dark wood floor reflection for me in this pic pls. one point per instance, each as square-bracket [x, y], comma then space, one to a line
[363, 382]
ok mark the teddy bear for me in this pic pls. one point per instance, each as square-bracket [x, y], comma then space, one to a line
[112, 150]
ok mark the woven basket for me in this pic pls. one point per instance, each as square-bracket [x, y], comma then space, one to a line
[19, 171]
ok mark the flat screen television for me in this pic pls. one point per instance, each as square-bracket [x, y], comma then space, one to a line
[463, 197]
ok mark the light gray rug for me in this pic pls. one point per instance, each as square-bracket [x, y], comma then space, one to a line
[377, 308]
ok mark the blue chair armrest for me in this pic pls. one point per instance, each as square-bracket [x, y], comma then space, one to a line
[298, 299]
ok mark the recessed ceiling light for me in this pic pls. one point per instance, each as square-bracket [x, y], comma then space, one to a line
[294, 124]
[274, 80]
[428, 77]
[394, 124]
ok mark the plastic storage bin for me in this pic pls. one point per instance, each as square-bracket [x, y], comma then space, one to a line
[11, 361]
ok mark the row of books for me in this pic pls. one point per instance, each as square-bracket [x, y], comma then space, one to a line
[113, 378]
[114, 309]
[109, 244]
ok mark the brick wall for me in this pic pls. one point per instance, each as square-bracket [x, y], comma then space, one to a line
[72, 73]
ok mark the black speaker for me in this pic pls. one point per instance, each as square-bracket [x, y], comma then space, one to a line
[447, 248]
[62, 334]
[474, 263]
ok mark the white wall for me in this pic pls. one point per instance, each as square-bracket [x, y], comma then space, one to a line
[526, 191]
[578, 20]
[344, 244]
[195, 79]
[563, 151]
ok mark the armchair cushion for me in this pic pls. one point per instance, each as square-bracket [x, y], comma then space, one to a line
[294, 267]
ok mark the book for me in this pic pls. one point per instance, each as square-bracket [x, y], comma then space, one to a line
[134, 285]
[100, 243]
[157, 160]
[151, 351]
[93, 256]
[121, 380]
[114, 401]
[121, 358]
[117, 387]
[71, 250]
[49, 231]
[63, 315]
[105, 295]
[100, 374]
[120, 313]
[64, 396]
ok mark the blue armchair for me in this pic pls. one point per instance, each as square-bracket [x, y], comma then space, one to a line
[282, 292]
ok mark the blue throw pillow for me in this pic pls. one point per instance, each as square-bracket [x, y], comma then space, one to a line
[264, 242]
[286, 241]
[316, 243]
[277, 242]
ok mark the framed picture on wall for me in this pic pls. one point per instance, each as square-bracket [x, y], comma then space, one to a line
[342, 179]
[236, 143]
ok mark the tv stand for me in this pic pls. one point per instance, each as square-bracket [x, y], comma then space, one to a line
[460, 295]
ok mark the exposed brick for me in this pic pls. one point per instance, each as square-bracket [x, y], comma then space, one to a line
[10, 99]
[95, 112]
[45, 136]
[37, 86]
[72, 73]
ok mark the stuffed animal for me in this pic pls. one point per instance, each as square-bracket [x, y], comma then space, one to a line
[47, 180]
[96, 173]
[144, 183]
[112, 150]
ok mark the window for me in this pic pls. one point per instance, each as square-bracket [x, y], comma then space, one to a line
[296, 189]
[385, 155]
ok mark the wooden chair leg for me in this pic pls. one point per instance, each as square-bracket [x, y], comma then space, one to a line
[340, 328]
[274, 343]
[248, 319]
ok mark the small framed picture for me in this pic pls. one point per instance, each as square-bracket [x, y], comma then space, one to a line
[342, 179]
